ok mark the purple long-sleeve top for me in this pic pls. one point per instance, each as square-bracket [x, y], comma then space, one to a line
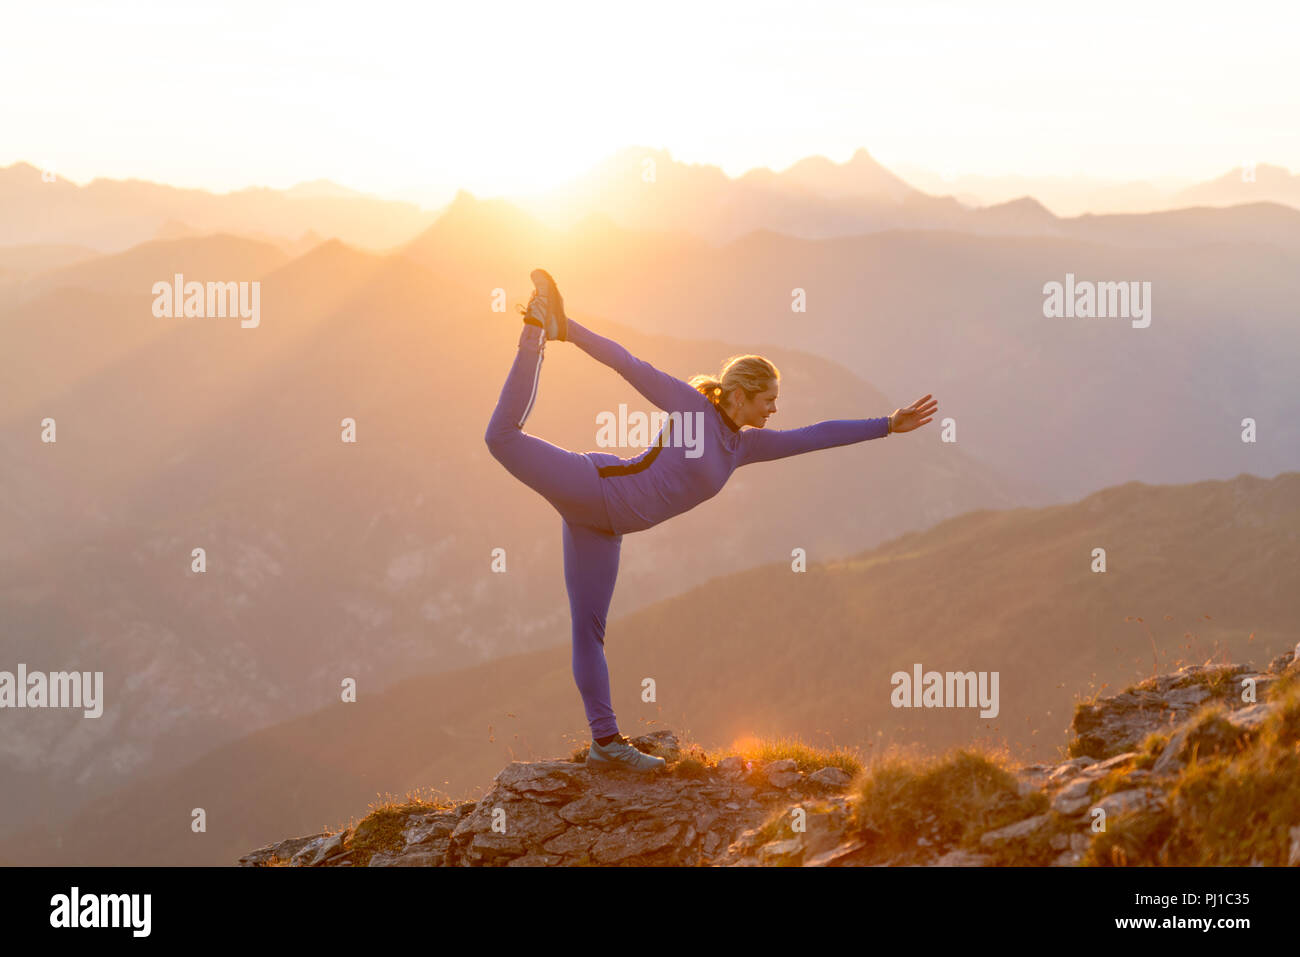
[698, 447]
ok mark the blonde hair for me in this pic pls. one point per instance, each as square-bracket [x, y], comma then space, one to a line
[750, 373]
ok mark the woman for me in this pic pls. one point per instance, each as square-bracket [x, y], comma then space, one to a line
[601, 497]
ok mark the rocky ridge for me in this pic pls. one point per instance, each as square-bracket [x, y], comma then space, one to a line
[742, 813]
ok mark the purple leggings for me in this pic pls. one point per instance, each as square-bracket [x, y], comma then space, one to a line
[570, 482]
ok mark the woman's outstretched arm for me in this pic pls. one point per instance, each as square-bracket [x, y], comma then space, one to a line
[663, 390]
[762, 445]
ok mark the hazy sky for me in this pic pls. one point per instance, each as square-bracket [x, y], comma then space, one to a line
[507, 98]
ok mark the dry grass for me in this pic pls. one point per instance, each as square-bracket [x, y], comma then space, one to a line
[1233, 804]
[807, 758]
[945, 801]
[381, 829]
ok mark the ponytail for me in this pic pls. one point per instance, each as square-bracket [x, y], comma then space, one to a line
[751, 374]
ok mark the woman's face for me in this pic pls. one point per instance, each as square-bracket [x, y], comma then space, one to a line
[755, 410]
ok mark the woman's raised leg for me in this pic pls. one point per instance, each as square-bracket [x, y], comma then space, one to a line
[568, 480]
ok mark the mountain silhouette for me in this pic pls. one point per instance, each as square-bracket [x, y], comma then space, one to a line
[807, 655]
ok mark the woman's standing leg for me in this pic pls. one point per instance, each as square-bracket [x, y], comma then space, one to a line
[568, 480]
[590, 571]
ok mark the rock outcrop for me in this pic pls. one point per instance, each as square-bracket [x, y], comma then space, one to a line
[741, 813]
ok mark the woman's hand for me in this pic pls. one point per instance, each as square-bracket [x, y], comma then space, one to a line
[914, 416]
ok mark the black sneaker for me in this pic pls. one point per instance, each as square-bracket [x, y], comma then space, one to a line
[547, 306]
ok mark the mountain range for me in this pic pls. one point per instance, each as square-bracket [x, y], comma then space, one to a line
[370, 560]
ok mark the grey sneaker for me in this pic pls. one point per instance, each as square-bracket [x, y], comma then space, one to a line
[619, 754]
[546, 306]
